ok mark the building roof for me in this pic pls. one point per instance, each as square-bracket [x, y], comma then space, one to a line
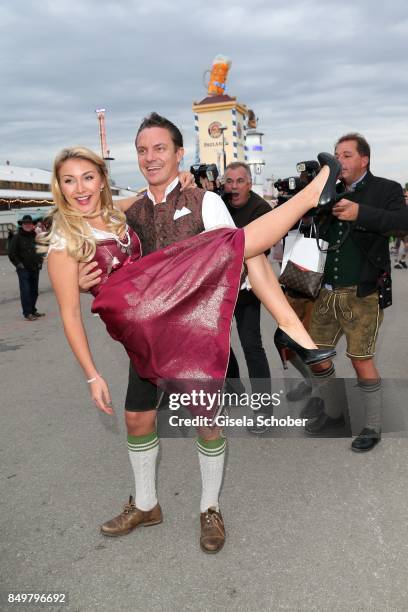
[216, 100]
[19, 194]
[25, 175]
[25, 195]
[36, 175]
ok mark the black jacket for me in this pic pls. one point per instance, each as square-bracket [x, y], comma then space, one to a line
[382, 213]
[254, 208]
[23, 250]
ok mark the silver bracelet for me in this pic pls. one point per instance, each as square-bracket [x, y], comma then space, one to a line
[91, 380]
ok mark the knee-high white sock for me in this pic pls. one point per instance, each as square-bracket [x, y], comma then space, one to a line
[143, 451]
[211, 454]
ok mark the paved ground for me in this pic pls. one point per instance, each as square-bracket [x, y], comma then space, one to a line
[311, 525]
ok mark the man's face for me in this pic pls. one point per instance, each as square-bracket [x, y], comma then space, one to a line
[238, 184]
[28, 227]
[158, 157]
[353, 165]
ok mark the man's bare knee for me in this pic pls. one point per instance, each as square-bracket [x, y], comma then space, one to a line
[140, 423]
[321, 367]
[209, 433]
[365, 369]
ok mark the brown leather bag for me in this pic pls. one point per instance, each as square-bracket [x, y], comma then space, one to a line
[298, 279]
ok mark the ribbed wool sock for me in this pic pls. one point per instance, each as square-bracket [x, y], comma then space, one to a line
[306, 373]
[371, 396]
[143, 451]
[332, 393]
[211, 454]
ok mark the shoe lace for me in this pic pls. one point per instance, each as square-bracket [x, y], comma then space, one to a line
[212, 518]
[129, 506]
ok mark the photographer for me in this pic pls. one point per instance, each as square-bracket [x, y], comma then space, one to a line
[357, 283]
[244, 206]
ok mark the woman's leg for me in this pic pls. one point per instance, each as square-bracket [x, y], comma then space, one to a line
[266, 287]
[265, 231]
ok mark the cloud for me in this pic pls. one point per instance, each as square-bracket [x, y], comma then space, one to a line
[310, 70]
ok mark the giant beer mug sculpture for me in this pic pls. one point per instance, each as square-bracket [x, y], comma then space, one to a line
[218, 76]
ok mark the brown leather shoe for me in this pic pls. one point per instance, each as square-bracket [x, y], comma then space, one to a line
[130, 518]
[212, 531]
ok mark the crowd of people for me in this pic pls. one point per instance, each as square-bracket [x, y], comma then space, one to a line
[170, 264]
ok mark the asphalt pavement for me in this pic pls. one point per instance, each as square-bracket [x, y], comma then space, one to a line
[310, 525]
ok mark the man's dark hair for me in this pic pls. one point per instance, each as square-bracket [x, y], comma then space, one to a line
[156, 120]
[362, 145]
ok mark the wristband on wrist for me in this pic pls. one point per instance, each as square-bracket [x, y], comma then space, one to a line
[91, 380]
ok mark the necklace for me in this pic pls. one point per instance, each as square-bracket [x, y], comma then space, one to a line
[124, 247]
[113, 263]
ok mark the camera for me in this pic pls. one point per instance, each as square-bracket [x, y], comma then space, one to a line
[206, 171]
[210, 172]
[288, 187]
[309, 168]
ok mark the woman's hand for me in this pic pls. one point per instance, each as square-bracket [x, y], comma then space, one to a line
[187, 180]
[89, 275]
[100, 395]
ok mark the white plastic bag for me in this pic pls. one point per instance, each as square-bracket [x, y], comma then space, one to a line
[303, 251]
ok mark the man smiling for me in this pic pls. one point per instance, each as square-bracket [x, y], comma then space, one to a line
[162, 217]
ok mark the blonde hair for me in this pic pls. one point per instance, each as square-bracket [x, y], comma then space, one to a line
[71, 224]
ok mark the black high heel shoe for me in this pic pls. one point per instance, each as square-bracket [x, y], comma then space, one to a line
[329, 196]
[284, 343]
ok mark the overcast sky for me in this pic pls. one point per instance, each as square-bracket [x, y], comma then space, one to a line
[311, 70]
